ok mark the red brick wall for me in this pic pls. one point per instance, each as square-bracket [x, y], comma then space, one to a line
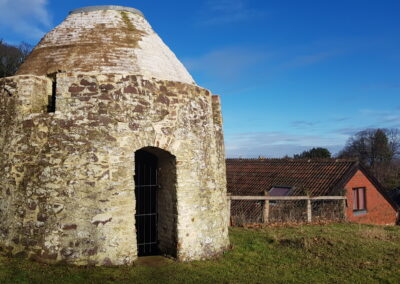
[379, 211]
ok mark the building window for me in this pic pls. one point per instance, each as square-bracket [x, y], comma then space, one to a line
[278, 191]
[359, 199]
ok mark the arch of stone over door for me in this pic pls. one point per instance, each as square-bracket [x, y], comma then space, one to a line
[156, 202]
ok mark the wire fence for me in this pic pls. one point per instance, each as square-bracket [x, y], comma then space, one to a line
[293, 209]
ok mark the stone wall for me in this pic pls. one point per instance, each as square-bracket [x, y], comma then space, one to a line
[66, 178]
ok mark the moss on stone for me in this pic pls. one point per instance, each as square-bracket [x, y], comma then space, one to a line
[133, 35]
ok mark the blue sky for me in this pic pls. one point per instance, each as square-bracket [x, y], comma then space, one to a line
[292, 74]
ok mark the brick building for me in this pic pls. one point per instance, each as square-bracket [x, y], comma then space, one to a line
[367, 201]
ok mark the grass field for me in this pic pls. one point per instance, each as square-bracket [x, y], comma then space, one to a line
[339, 253]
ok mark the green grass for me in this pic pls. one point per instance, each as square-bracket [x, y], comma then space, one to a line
[339, 253]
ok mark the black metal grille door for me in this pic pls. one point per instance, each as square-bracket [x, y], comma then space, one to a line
[146, 203]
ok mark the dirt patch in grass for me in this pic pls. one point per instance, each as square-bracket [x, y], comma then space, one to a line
[376, 233]
[306, 242]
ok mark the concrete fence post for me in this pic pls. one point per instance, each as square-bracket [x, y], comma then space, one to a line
[309, 211]
[344, 209]
[229, 208]
[266, 212]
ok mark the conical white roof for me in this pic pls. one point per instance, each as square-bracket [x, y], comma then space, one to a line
[105, 39]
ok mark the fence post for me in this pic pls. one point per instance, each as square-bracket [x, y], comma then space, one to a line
[266, 211]
[229, 208]
[344, 209]
[309, 210]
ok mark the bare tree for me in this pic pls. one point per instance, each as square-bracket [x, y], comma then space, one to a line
[11, 57]
[393, 135]
[379, 151]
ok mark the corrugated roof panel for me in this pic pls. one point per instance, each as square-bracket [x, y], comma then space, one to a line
[314, 177]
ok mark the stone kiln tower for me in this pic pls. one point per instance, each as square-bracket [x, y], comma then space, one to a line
[109, 150]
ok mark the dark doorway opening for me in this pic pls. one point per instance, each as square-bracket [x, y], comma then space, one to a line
[146, 190]
[156, 202]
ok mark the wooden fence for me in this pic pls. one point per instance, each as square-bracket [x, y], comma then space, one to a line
[266, 205]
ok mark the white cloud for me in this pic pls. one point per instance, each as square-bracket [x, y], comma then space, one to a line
[29, 18]
[277, 144]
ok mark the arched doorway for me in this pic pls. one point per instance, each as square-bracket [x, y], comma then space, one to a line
[155, 191]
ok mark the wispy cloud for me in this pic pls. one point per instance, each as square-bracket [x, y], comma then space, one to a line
[349, 130]
[317, 51]
[310, 58]
[372, 119]
[219, 12]
[383, 118]
[277, 144]
[226, 6]
[289, 142]
[26, 17]
[302, 124]
[259, 64]
[341, 119]
[226, 63]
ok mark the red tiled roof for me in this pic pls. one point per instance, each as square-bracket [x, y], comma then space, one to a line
[306, 177]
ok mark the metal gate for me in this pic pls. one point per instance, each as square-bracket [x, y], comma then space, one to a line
[146, 203]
